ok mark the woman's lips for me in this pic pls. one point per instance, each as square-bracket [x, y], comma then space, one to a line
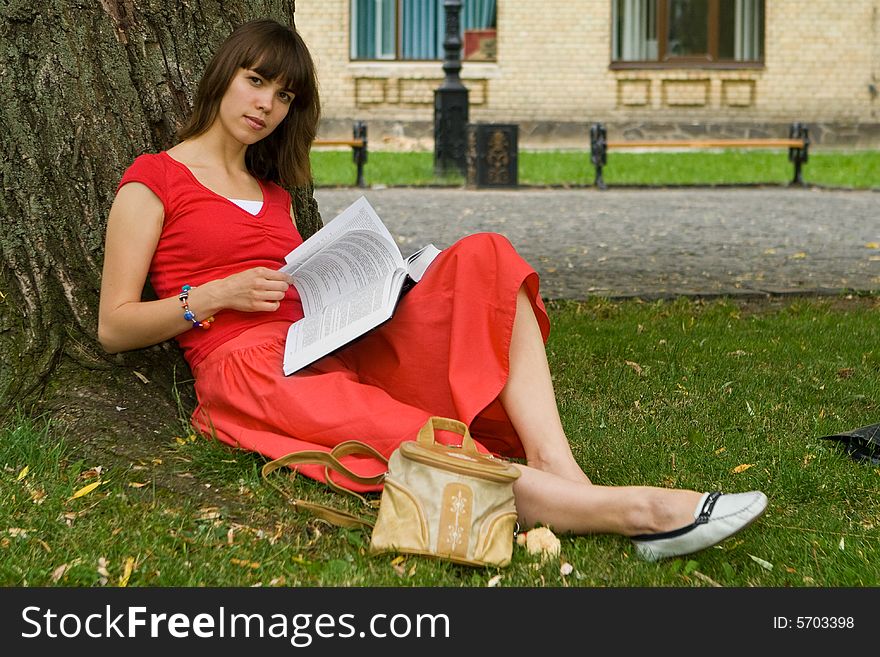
[255, 123]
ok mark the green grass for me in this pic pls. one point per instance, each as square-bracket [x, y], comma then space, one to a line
[676, 393]
[858, 169]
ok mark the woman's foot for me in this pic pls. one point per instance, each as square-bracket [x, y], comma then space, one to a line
[716, 518]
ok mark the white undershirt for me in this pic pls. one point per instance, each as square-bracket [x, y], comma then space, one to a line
[253, 207]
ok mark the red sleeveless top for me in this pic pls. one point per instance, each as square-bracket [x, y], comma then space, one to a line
[206, 236]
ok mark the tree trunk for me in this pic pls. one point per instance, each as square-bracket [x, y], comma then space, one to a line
[85, 87]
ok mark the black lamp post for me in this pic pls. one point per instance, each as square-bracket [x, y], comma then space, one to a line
[451, 101]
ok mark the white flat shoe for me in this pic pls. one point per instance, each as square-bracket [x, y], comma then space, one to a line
[720, 517]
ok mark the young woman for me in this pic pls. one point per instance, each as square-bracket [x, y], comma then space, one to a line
[209, 221]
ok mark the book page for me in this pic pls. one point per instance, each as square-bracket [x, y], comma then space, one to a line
[353, 261]
[341, 322]
[418, 262]
[357, 216]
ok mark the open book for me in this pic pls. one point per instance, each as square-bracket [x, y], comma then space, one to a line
[350, 276]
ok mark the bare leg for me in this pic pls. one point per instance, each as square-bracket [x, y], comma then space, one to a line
[553, 490]
[530, 402]
[581, 508]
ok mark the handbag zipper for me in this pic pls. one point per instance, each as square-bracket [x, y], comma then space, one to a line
[476, 470]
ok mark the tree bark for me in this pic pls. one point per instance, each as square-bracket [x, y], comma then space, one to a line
[85, 87]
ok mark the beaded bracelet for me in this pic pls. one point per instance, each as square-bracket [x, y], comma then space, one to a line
[188, 314]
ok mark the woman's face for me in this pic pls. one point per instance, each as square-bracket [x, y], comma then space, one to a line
[252, 106]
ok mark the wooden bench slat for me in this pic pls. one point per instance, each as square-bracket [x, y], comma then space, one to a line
[710, 143]
[338, 142]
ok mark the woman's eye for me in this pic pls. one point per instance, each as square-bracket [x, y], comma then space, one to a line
[285, 97]
[255, 80]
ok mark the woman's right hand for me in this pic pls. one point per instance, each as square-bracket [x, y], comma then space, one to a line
[258, 289]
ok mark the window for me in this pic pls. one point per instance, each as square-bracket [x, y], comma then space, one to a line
[687, 31]
[414, 29]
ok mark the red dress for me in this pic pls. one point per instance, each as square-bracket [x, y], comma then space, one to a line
[445, 352]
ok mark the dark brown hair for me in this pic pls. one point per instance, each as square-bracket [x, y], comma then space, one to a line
[276, 52]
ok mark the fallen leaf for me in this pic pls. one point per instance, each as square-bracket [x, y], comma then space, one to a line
[845, 372]
[742, 467]
[245, 564]
[766, 565]
[92, 473]
[705, 578]
[872, 245]
[141, 377]
[137, 484]
[85, 490]
[720, 449]
[23, 473]
[800, 255]
[398, 560]
[841, 544]
[127, 569]
[208, 513]
[636, 367]
[58, 573]
[495, 581]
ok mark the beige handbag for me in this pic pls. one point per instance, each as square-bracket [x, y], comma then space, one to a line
[438, 500]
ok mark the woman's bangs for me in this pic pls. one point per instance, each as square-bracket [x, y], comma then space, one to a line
[283, 62]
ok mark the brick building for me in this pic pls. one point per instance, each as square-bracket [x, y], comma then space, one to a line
[642, 67]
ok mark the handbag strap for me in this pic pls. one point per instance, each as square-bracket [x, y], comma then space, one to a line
[426, 433]
[330, 461]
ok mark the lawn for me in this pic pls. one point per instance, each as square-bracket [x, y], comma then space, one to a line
[853, 169]
[723, 394]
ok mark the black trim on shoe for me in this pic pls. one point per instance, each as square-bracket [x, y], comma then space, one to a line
[701, 519]
[708, 507]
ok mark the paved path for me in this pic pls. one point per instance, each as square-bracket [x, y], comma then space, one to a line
[652, 243]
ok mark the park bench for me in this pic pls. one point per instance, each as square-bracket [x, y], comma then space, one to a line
[798, 144]
[358, 144]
